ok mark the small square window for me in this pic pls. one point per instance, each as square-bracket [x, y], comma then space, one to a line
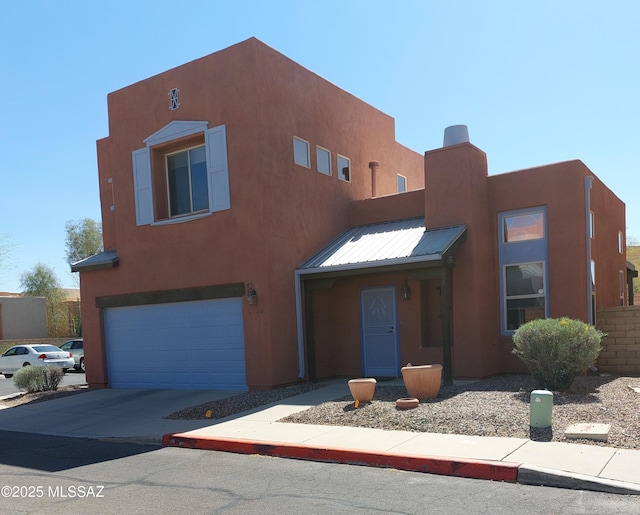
[344, 168]
[402, 183]
[324, 160]
[301, 152]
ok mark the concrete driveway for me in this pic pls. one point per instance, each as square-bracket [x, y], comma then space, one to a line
[131, 414]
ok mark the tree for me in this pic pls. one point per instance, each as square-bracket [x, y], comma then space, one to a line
[41, 281]
[84, 239]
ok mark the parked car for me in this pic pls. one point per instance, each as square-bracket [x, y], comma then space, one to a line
[76, 348]
[24, 355]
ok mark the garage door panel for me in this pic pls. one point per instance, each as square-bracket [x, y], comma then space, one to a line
[194, 345]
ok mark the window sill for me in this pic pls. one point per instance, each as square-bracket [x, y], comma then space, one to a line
[182, 219]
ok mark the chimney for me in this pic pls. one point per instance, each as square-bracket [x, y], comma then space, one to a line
[455, 134]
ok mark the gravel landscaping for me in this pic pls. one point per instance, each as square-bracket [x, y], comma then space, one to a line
[497, 406]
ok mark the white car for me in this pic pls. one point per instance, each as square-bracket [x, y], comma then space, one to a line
[24, 355]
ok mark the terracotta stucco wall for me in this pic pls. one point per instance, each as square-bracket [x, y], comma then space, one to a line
[456, 192]
[281, 213]
[337, 323]
[23, 317]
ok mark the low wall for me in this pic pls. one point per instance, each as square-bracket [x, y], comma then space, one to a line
[621, 348]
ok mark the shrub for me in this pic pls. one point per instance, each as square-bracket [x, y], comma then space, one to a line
[556, 351]
[38, 378]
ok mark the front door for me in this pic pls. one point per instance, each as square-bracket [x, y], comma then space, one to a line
[379, 332]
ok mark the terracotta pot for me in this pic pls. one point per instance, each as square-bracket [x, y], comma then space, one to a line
[407, 403]
[422, 381]
[362, 389]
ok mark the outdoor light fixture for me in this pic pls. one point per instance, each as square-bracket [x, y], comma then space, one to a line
[406, 291]
[252, 296]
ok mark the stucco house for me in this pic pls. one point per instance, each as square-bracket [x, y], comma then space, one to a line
[22, 317]
[262, 226]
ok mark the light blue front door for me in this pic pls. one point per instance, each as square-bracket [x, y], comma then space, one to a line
[379, 332]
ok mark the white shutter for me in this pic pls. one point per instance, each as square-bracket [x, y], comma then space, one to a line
[217, 168]
[142, 186]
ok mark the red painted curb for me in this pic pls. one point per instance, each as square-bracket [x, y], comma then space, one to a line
[476, 469]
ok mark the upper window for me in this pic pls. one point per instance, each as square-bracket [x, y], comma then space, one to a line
[522, 227]
[523, 256]
[187, 181]
[182, 173]
[402, 183]
[323, 157]
[301, 152]
[525, 293]
[344, 166]
[620, 242]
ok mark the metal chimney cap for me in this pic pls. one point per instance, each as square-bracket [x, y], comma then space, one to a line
[455, 134]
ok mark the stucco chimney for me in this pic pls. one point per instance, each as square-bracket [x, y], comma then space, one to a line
[373, 165]
[455, 134]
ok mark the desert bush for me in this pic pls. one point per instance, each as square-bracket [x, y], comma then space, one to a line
[557, 350]
[38, 378]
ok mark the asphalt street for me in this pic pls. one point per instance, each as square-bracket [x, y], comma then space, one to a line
[48, 474]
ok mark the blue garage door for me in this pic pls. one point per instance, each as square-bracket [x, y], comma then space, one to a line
[185, 345]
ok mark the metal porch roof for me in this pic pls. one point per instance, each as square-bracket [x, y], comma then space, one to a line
[101, 261]
[382, 244]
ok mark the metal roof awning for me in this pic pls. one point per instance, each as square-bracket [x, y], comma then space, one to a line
[403, 242]
[101, 261]
[389, 247]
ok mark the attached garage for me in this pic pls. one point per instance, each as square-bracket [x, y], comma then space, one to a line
[185, 345]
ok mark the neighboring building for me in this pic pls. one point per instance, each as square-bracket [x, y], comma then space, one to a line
[263, 226]
[22, 317]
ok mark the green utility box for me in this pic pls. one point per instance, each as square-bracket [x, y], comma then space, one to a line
[541, 406]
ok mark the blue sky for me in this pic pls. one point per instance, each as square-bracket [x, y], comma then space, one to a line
[536, 82]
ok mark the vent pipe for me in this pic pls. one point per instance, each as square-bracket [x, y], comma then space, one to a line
[373, 165]
[455, 134]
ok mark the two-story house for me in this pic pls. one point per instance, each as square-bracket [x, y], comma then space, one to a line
[262, 227]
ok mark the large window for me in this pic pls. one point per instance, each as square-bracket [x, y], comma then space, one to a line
[187, 181]
[523, 251]
[524, 293]
[181, 174]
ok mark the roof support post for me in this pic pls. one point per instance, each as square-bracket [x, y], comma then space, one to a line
[445, 310]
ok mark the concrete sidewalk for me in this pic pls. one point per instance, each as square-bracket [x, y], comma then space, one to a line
[137, 415]
[565, 465]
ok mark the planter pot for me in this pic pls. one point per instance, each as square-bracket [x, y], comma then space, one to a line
[362, 389]
[423, 381]
[407, 403]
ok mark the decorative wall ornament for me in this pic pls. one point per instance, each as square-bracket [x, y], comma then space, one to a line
[174, 99]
